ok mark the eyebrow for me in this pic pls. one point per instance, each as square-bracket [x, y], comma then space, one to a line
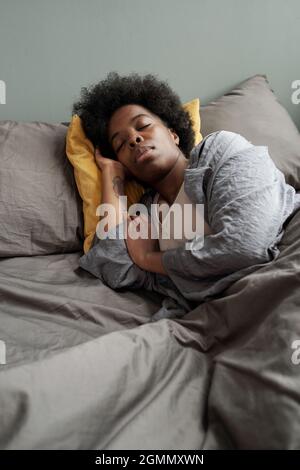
[131, 120]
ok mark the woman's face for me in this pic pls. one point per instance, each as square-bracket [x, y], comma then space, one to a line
[132, 127]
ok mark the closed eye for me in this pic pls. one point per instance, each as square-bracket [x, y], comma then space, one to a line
[138, 130]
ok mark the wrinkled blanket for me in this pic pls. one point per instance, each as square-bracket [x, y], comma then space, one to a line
[87, 369]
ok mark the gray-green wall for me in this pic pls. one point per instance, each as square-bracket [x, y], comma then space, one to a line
[50, 49]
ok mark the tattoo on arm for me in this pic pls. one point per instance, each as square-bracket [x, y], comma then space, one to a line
[118, 185]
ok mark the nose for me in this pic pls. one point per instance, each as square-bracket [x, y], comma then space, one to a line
[134, 139]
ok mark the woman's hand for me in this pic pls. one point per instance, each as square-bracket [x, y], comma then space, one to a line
[108, 164]
[139, 248]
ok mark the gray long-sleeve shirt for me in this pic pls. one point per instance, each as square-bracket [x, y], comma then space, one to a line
[246, 203]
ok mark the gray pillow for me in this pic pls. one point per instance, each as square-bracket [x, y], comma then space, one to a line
[252, 110]
[40, 208]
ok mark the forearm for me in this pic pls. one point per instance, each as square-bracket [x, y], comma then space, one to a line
[112, 188]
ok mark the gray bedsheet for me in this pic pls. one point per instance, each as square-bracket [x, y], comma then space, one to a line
[87, 369]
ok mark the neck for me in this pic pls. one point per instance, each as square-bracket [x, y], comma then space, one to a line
[170, 185]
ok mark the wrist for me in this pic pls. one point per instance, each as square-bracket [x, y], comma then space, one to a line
[152, 262]
[111, 171]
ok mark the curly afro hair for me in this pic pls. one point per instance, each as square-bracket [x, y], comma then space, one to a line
[100, 101]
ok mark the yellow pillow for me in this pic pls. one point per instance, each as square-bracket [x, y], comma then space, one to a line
[80, 152]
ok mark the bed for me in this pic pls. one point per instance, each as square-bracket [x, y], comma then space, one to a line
[83, 367]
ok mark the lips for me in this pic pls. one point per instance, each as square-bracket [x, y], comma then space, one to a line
[140, 150]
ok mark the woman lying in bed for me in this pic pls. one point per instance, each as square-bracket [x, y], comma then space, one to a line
[141, 131]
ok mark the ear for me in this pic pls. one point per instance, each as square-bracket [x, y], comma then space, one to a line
[175, 136]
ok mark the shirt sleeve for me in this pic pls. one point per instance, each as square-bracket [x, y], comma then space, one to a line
[108, 259]
[247, 203]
